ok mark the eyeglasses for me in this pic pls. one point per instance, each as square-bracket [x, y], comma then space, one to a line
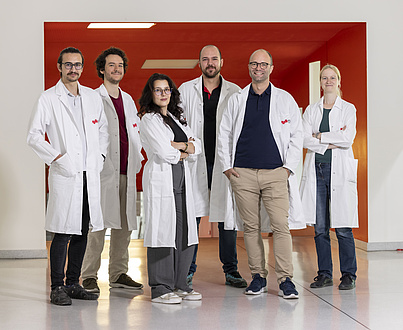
[158, 91]
[263, 65]
[69, 65]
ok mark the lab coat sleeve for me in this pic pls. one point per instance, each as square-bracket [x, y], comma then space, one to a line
[103, 130]
[225, 135]
[294, 150]
[151, 133]
[339, 137]
[183, 103]
[196, 143]
[36, 132]
[311, 143]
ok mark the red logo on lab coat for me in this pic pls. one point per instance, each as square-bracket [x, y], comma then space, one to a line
[285, 121]
[134, 125]
[94, 121]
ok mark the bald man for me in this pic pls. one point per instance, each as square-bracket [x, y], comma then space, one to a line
[259, 149]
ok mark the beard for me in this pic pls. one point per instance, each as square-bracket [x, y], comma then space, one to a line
[112, 80]
[211, 74]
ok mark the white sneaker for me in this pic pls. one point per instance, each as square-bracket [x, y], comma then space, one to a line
[168, 298]
[192, 295]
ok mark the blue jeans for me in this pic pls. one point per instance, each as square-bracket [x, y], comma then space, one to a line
[348, 262]
[227, 240]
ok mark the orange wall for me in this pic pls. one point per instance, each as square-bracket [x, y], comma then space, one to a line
[346, 50]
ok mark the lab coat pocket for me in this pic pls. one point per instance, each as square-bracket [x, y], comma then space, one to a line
[108, 169]
[160, 185]
[351, 170]
[63, 166]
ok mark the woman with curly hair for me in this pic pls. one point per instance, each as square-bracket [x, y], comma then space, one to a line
[170, 225]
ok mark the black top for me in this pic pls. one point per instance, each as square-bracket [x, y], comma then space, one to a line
[179, 134]
[210, 103]
[256, 147]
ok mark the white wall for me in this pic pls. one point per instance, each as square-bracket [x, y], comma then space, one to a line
[21, 60]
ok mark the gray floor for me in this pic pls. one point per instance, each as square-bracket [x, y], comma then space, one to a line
[375, 304]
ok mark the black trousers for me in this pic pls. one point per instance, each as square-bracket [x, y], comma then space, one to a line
[75, 251]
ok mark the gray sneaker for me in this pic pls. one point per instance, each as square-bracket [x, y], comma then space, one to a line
[125, 282]
[91, 285]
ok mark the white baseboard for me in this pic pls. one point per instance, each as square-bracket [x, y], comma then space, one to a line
[371, 247]
[23, 254]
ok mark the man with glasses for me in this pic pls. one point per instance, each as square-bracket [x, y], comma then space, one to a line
[72, 116]
[259, 148]
[204, 100]
[118, 178]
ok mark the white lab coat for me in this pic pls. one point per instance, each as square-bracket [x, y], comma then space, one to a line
[343, 192]
[110, 175]
[159, 202]
[52, 115]
[285, 122]
[192, 103]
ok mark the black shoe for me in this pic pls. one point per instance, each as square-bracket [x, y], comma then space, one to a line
[235, 279]
[76, 291]
[59, 296]
[125, 282]
[91, 285]
[321, 281]
[347, 282]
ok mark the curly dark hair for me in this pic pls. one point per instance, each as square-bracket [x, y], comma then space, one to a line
[148, 106]
[101, 59]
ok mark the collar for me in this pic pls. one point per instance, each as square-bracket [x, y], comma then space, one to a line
[68, 92]
[267, 91]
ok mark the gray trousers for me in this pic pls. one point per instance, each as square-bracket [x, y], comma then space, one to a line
[168, 267]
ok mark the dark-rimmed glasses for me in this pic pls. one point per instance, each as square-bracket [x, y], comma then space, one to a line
[263, 65]
[69, 65]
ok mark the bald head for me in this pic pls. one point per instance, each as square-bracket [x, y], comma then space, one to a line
[209, 47]
[261, 51]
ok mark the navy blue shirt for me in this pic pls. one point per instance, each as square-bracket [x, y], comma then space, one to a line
[256, 147]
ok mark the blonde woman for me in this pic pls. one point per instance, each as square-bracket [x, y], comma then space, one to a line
[329, 181]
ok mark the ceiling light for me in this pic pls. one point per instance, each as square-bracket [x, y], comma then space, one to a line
[120, 25]
[169, 64]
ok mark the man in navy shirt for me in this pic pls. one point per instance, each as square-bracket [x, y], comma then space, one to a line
[259, 147]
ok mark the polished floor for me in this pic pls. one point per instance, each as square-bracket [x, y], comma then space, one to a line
[376, 303]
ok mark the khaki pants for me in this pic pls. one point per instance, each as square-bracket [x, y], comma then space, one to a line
[270, 187]
[119, 244]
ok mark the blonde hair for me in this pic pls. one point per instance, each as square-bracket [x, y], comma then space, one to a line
[337, 71]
